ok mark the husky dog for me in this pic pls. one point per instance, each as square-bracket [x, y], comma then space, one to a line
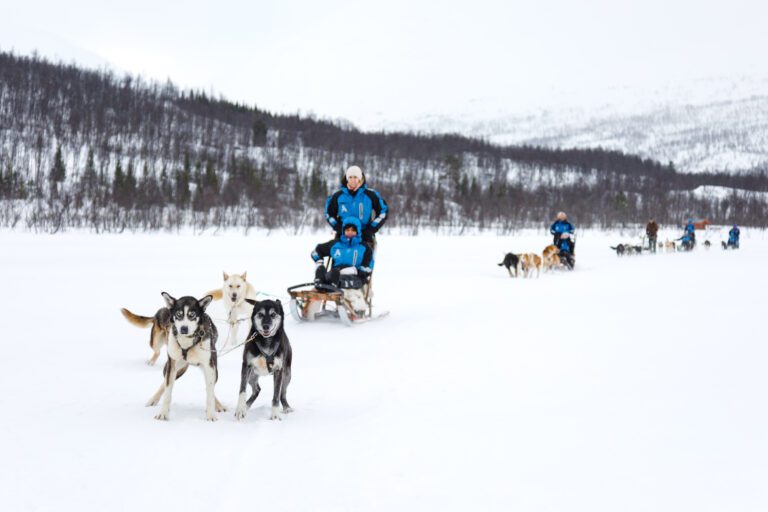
[191, 341]
[161, 324]
[628, 249]
[529, 262]
[267, 351]
[234, 291]
[510, 261]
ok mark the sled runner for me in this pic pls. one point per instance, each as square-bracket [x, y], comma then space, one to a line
[351, 304]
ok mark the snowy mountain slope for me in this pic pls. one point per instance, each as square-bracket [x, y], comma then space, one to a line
[630, 384]
[713, 125]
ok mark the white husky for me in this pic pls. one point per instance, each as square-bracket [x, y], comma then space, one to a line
[234, 291]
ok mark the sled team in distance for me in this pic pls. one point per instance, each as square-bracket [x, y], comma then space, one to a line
[687, 242]
[341, 289]
[561, 254]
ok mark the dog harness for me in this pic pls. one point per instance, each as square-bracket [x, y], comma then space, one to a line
[270, 359]
[197, 336]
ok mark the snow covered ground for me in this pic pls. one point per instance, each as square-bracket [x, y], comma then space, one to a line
[631, 384]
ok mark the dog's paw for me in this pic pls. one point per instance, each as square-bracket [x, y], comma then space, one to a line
[151, 403]
[287, 410]
[150, 362]
[211, 417]
[275, 414]
[162, 416]
[221, 408]
[240, 413]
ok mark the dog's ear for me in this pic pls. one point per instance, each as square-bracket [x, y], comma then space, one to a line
[170, 301]
[280, 307]
[226, 276]
[205, 301]
[244, 274]
[251, 302]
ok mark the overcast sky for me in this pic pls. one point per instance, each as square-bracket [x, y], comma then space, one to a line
[395, 58]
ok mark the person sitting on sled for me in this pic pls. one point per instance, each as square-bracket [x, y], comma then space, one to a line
[733, 237]
[355, 198]
[352, 259]
[686, 241]
[564, 240]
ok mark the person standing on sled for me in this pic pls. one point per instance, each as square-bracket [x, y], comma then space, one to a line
[352, 259]
[652, 229]
[733, 237]
[564, 240]
[690, 231]
[355, 199]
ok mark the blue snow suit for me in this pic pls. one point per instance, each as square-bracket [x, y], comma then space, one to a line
[690, 231]
[687, 241]
[557, 229]
[365, 204]
[347, 252]
[733, 236]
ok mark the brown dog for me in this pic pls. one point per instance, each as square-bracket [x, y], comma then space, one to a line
[550, 257]
[529, 262]
[161, 325]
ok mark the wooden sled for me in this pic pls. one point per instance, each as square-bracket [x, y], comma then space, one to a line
[310, 302]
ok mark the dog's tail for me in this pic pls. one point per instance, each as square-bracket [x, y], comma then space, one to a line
[216, 294]
[137, 320]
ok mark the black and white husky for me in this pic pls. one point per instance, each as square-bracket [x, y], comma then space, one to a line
[191, 341]
[267, 351]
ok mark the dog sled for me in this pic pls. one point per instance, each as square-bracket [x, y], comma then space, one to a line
[351, 302]
[566, 254]
[350, 299]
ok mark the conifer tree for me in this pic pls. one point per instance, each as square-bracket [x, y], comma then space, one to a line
[118, 184]
[259, 130]
[58, 171]
[89, 178]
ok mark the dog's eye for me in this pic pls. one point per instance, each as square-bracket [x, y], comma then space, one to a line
[179, 314]
[259, 315]
[273, 315]
[191, 315]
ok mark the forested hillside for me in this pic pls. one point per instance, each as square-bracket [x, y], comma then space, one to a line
[90, 149]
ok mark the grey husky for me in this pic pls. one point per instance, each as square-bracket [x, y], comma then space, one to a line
[191, 341]
[267, 351]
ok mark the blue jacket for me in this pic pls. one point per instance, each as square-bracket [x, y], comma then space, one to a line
[347, 252]
[561, 226]
[365, 204]
[558, 228]
[690, 228]
[733, 235]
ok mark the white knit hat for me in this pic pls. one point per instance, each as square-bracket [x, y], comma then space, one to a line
[354, 171]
